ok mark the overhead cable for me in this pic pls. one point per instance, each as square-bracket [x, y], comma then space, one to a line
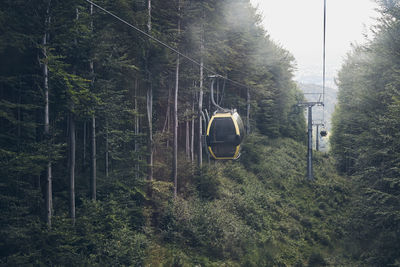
[324, 63]
[164, 44]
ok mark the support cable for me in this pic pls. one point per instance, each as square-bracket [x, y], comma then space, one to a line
[164, 44]
[324, 65]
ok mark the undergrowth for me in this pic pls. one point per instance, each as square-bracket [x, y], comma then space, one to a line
[258, 211]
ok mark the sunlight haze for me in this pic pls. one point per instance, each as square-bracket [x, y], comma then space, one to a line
[298, 27]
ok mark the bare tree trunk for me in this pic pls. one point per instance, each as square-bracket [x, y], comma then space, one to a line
[84, 147]
[248, 111]
[192, 134]
[93, 160]
[19, 119]
[169, 128]
[49, 182]
[200, 107]
[175, 146]
[136, 128]
[107, 152]
[150, 133]
[149, 106]
[166, 127]
[72, 148]
[187, 145]
[49, 194]
[149, 15]
[39, 135]
[166, 122]
[93, 156]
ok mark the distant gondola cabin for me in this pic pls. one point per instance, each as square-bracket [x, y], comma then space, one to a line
[225, 133]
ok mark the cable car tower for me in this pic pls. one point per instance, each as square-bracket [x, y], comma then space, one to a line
[310, 105]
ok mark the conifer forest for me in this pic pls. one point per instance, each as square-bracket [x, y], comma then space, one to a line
[104, 159]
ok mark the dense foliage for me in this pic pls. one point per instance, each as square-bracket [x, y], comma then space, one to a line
[366, 139]
[87, 133]
[257, 212]
[85, 113]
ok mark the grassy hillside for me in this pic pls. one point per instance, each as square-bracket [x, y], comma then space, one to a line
[259, 211]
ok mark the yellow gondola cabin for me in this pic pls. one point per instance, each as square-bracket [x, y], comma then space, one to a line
[225, 133]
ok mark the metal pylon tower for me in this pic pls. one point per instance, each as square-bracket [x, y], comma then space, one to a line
[309, 105]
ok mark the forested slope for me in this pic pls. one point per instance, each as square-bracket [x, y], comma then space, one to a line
[99, 123]
[257, 212]
[100, 150]
[365, 140]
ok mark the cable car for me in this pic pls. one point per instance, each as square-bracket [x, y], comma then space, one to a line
[323, 133]
[225, 133]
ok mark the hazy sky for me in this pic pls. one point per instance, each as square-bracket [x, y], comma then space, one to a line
[298, 26]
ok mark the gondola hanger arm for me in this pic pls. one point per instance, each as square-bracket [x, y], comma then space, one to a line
[213, 77]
